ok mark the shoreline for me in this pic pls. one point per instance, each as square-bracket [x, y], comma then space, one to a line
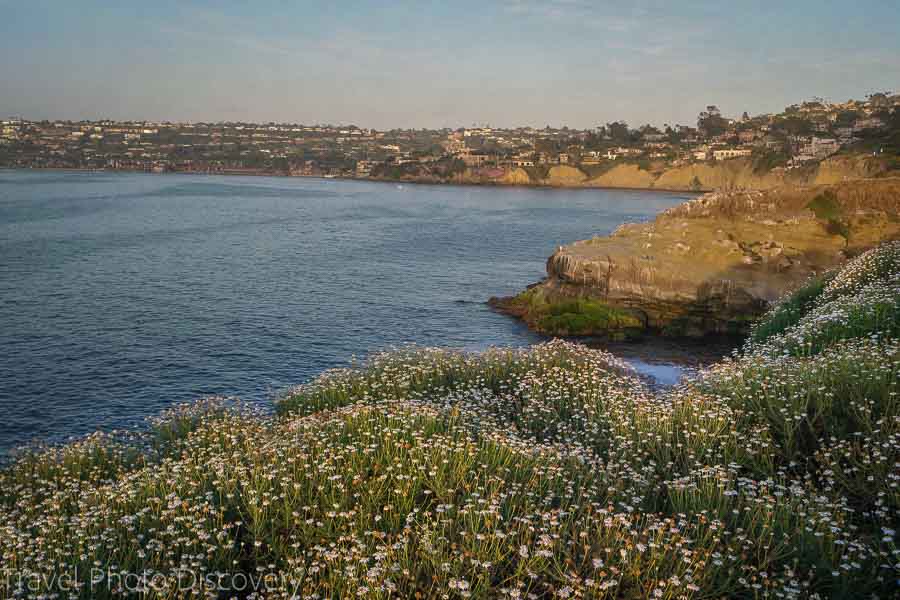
[744, 252]
[485, 184]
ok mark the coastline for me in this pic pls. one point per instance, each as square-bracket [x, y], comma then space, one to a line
[737, 174]
[381, 180]
[384, 465]
[709, 266]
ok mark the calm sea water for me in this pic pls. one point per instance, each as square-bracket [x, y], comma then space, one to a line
[121, 294]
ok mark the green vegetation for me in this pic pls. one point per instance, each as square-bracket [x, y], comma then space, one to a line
[547, 472]
[764, 160]
[788, 311]
[642, 162]
[861, 301]
[827, 208]
[584, 317]
[821, 377]
[711, 122]
[576, 316]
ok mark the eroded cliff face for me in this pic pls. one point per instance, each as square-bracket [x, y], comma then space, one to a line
[724, 175]
[738, 174]
[563, 175]
[625, 176]
[516, 177]
[735, 174]
[712, 265]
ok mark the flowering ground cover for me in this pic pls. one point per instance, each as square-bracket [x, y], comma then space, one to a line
[548, 472]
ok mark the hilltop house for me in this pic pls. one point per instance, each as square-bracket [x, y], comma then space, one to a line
[726, 153]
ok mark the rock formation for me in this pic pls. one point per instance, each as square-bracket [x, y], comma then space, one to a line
[713, 264]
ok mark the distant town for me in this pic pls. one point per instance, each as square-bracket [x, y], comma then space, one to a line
[803, 133]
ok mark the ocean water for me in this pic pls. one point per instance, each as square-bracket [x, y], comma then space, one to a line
[121, 294]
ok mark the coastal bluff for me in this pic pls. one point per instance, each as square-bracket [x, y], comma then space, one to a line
[733, 174]
[711, 265]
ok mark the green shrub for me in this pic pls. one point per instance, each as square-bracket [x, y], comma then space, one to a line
[575, 316]
[788, 311]
[764, 160]
[585, 317]
[826, 207]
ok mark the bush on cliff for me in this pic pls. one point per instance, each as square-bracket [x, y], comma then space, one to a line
[548, 472]
[827, 208]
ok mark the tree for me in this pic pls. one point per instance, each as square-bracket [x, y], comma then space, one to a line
[546, 145]
[826, 207]
[796, 126]
[711, 122]
[618, 131]
[846, 118]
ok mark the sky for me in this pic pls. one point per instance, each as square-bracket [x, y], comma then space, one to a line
[439, 64]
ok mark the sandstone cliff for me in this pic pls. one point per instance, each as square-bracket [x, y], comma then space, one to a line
[713, 264]
[732, 174]
[738, 174]
[564, 175]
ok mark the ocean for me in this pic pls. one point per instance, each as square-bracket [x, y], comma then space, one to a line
[121, 294]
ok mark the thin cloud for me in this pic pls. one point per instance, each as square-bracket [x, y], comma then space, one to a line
[583, 13]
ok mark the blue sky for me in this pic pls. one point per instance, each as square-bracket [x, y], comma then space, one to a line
[435, 64]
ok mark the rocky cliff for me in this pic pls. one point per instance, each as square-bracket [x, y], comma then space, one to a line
[710, 265]
[738, 173]
[723, 175]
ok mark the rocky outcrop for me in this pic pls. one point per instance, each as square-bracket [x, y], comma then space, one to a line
[713, 265]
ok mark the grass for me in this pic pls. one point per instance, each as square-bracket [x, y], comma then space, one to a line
[546, 472]
[786, 313]
[575, 316]
[584, 317]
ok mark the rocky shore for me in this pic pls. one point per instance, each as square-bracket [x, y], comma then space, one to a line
[709, 266]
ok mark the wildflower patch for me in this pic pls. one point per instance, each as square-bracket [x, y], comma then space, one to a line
[547, 472]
